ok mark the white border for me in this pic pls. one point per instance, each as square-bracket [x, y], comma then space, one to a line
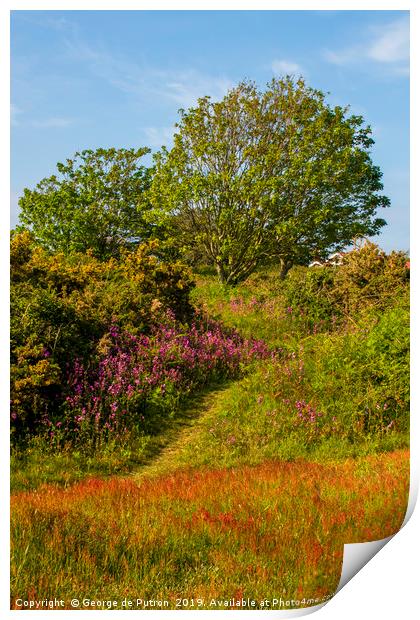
[386, 587]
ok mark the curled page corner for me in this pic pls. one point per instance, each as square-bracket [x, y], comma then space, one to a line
[356, 556]
[412, 497]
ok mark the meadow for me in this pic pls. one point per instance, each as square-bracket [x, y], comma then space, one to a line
[268, 426]
[268, 531]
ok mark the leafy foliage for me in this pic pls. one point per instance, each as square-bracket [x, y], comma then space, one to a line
[62, 306]
[97, 202]
[369, 279]
[272, 174]
[137, 381]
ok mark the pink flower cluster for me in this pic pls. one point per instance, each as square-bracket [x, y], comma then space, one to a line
[142, 374]
[307, 414]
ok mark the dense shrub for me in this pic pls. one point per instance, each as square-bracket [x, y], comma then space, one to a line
[61, 306]
[369, 279]
[308, 292]
[387, 368]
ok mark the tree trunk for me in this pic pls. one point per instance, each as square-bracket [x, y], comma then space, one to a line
[221, 273]
[285, 266]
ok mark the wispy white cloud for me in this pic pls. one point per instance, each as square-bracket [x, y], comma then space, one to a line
[58, 23]
[15, 112]
[393, 43]
[183, 86]
[49, 122]
[158, 136]
[342, 57]
[388, 44]
[53, 121]
[47, 20]
[135, 77]
[286, 67]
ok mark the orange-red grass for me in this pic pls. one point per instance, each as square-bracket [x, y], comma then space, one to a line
[273, 530]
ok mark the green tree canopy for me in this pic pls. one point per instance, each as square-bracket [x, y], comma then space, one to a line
[268, 175]
[97, 201]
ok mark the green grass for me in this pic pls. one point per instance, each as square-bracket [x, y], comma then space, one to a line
[40, 463]
[255, 308]
[248, 423]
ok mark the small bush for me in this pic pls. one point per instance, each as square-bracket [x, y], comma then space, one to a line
[369, 279]
[307, 292]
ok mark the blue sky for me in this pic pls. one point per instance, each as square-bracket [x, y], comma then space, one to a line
[85, 79]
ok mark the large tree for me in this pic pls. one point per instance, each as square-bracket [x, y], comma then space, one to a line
[269, 175]
[97, 202]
